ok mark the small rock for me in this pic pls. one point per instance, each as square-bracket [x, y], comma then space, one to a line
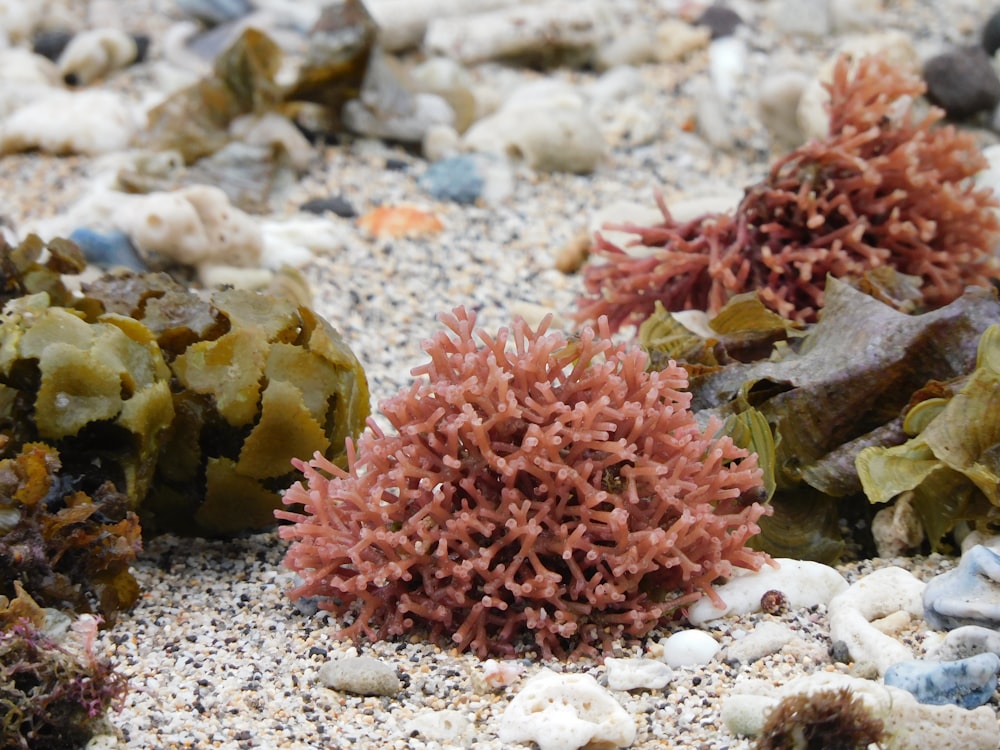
[447, 726]
[447, 78]
[778, 102]
[215, 12]
[108, 249]
[688, 648]
[962, 82]
[991, 34]
[966, 641]
[389, 108]
[458, 179]
[720, 20]
[50, 44]
[336, 204]
[571, 256]
[566, 712]
[804, 584]
[967, 595]
[361, 675]
[897, 530]
[809, 18]
[440, 142]
[633, 674]
[876, 595]
[550, 132]
[968, 683]
[94, 53]
[676, 39]
[633, 44]
[765, 639]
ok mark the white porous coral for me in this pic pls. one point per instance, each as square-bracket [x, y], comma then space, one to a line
[566, 712]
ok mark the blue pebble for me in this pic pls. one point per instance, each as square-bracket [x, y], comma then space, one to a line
[967, 595]
[457, 178]
[108, 249]
[968, 683]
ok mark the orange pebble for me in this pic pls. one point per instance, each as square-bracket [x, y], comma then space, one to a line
[399, 221]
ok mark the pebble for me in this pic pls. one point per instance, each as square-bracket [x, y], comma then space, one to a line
[897, 529]
[676, 40]
[458, 179]
[963, 82]
[720, 20]
[450, 80]
[360, 675]
[688, 648]
[566, 712]
[635, 674]
[778, 104]
[966, 641]
[765, 639]
[968, 682]
[547, 127]
[94, 53]
[335, 204]
[108, 249]
[967, 595]
[215, 12]
[879, 594]
[50, 44]
[810, 18]
[990, 36]
[447, 726]
[804, 584]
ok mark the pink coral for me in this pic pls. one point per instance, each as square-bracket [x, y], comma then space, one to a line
[885, 188]
[534, 483]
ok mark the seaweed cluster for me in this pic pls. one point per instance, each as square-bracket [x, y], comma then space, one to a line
[533, 485]
[53, 694]
[830, 719]
[886, 187]
[192, 405]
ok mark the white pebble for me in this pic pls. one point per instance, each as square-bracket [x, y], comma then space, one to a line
[689, 647]
[632, 674]
[765, 639]
[93, 53]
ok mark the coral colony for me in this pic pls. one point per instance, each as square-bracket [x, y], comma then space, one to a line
[885, 188]
[533, 483]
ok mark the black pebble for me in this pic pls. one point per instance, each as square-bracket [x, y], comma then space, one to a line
[991, 34]
[396, 165]
[337, 204]
[962, 82]
[720, 20]
[50, 44]
[840, 653]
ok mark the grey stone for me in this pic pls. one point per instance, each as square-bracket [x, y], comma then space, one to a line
[361, 675]
[967, 595]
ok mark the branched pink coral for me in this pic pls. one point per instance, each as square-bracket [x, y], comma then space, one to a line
[534, 483]
[883, 189]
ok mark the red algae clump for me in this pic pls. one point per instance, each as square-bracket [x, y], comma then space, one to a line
[534, 485]
[886, 187]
